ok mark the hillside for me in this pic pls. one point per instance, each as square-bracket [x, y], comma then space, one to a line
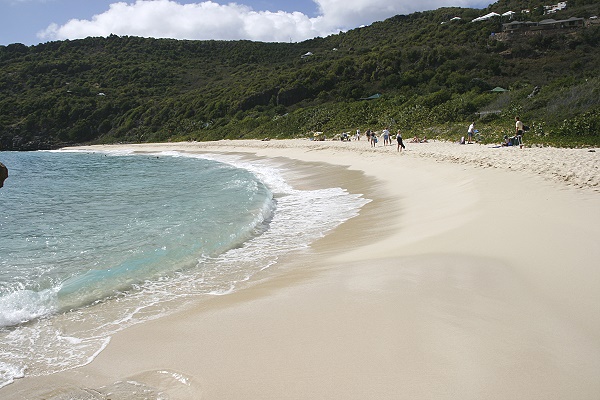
[433, 70]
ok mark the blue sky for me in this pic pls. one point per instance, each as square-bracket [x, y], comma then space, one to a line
[37, 21]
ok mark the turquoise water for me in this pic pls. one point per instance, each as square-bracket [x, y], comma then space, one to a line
[92, 243]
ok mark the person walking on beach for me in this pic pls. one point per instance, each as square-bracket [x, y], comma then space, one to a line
[386, 137]
[470, 132]
[357, 134]
[399, 140]
[373, 139]
[519, 131]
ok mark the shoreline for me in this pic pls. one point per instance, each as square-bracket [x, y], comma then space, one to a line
[457, 281]
[571, 167]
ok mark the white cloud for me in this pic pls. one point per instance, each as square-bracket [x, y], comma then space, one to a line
[352, 13]
[210, 20]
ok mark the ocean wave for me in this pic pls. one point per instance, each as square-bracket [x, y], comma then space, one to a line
[25, 305]
[285, 220]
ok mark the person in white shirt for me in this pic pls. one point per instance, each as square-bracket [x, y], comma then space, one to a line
[470, 132]
[519, 131]
[386, 137]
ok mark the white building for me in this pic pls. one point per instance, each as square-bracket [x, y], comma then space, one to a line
[486, 17]
[555, 7]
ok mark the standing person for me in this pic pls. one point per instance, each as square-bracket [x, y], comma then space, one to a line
[357, 134]
[386, 137]
[470, 132]
[519, 131]
[373, 139]
[399, 140]
[368, 133]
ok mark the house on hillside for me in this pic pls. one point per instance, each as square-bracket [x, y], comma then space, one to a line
[486, 17]
[547, 24]
[555, 8]
[572, 22]
[518, 26]
[509, 14]
[373, 97]
[451, 20]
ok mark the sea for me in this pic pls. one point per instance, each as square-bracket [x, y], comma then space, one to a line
[92, 243]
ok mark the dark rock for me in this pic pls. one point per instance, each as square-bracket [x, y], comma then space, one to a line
[21, 143]
[3, 174]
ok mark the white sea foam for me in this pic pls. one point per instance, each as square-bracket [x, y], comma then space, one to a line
[176, 376]
[289, 223]
[10, 372]
[24, 305]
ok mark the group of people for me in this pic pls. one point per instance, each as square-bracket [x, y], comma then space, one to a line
[387, 138]
[373, 139]
[516, 140]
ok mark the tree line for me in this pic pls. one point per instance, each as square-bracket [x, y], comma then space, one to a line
[432, 71]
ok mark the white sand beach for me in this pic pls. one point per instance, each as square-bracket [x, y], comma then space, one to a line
[474, 273]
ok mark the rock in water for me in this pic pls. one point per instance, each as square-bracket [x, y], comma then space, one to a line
[3, 174]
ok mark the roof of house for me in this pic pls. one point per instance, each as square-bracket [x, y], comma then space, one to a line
[486, 17]
[373, 97]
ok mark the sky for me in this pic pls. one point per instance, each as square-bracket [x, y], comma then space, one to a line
[31, 22]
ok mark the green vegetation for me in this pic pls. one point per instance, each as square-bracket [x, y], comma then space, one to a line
[435, 76]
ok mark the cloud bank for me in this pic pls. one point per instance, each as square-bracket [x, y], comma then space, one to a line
[209, 20]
